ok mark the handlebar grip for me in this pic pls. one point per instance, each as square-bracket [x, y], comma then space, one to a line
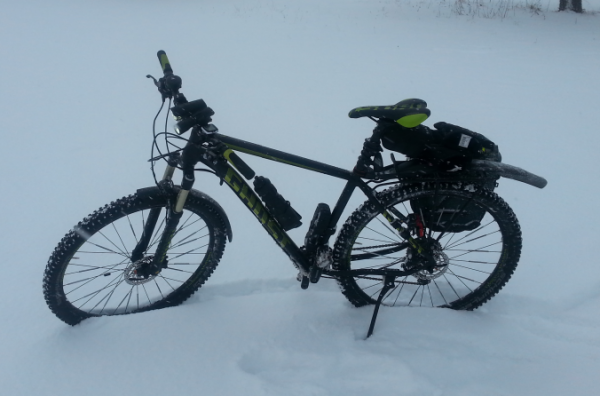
[164, 62]
[239, 164]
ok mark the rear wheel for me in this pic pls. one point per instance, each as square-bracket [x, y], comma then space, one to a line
[471, 260]
[90, 273]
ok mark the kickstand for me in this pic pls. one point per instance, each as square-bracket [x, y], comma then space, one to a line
[388, 283]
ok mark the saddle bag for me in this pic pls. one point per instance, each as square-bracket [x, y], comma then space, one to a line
[447, 143]
[448, 214]
[446, 147]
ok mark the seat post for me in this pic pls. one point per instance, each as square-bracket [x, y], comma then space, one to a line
[371, 148]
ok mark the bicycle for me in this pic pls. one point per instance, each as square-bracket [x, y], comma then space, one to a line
[436, 236]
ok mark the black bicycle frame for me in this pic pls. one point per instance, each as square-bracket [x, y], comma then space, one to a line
[245, 193]
[217, 156]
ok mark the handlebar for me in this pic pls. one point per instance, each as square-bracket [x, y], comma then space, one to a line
[164, 62]
[187, 113]
[169, 85]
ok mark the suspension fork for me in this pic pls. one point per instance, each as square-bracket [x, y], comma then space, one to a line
[175, 208]
[153, 216]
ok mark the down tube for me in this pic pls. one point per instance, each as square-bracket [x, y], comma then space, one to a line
[254, 204]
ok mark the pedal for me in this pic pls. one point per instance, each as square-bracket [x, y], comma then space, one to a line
[304, 282]
[315, 274]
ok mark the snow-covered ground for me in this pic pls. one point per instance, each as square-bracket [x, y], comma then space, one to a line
[76, 131]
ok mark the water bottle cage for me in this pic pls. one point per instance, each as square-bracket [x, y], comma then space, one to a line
[281, 209]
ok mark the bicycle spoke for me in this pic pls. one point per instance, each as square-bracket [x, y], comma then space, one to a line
[430, 295]
[483, 247]
[167, 282]
[146, 292]
[399, 291]
[107, 249]
[185, 225]
[378, 290]
[474, 239]
[114, 244]
[371, 239]
[464, 277]
[121, 239]
[170, 264]
[94, 293]
[452, 287]
[475, 262]
[413, 296]
[129, 299]
[472, 269]
[179, 270]
[158, 287]
[109, 295]
[474, 250]
[461, 281]
[122, 301]
[470, 233]
[440, 291]
[171, 279]
[132, 230]
[90, 279]
[379, 233]
[190, 241]
[89, 268]
[190, 252]
[390, 229]
[155, 238]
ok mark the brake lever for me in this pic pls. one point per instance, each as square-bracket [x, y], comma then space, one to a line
[163, 93]
[160, 84]
[155, 82]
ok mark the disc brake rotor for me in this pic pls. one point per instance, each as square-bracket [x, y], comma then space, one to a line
[441, 262]
[132, 276]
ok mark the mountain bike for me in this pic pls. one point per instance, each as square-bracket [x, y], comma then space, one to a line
[432, 232]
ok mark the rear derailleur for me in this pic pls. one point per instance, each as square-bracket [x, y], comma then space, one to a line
[427, 259]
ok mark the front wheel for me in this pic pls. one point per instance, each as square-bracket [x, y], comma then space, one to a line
[471, 236]
[91, 273]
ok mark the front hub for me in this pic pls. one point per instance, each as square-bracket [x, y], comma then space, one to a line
[141, 271]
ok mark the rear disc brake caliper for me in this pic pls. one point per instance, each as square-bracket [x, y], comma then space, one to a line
[426, 255]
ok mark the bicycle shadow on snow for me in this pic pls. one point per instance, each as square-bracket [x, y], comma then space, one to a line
[249, 287]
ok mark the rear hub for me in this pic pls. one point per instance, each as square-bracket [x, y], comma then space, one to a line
[430, 263]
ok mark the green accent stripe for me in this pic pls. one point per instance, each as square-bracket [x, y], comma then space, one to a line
[277, 159]
[163, 61]
[413, 120]
[226, 154]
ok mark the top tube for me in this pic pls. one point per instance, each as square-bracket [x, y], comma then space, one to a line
[286, 158]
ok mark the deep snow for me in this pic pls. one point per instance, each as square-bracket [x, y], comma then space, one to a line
[76, 118]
